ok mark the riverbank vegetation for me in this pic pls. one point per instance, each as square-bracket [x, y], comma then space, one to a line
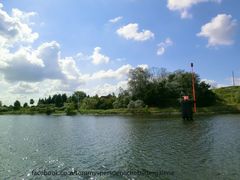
[150, 91]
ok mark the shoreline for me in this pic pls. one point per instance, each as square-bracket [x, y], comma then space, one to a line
[160, 112]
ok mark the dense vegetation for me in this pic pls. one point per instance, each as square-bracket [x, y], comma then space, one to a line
[229, 95]
[146, 88]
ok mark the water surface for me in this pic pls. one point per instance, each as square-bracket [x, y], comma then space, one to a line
[207, 148]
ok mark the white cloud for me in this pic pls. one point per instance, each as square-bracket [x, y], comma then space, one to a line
[81, 57]
[213, 83]
[116, 19]
[32, 65]
[183, 6]
[69, 68]
[219, 30]
[15, 28]
[144, 66]
[98, 58]
[23, 16]
[131, 31]
[24, 88]
[105, 89]
[117, 74]
[163, 46]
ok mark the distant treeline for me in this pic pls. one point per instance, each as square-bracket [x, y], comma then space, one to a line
[154, 87]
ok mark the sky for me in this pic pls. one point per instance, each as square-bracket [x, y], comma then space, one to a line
[49, 47]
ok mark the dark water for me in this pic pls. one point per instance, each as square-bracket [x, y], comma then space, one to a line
[207, 148]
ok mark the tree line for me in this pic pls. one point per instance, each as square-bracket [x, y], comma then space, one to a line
[154, 87]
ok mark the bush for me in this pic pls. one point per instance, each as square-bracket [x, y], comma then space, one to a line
[70, 110]
[139, 104]
[3, 109]
[49, 111]
[135, 104]
[131, 105]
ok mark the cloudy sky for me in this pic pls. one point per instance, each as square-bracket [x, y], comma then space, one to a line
[54, 46]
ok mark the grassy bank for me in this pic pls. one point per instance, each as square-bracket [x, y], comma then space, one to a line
[163, 112]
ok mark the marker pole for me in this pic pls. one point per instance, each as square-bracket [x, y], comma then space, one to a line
[193, 89]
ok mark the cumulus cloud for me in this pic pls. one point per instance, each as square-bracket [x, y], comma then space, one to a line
[183, 6]
[144, 66]
[49, 52]
[105, 89]
[213, 83]
[116, 19]
[98, 58]
[163, 46]
[21, 65]
[24, 88]
[219, 30]
[32, 65]
[117, 74]
[23, 16]
[15, 28]
[69, 68]
[131, 31]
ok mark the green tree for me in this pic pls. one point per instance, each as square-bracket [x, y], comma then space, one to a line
[58, 101]
[17, 105]
[77, 98]
[205, 97]
[90, 103]
[25, 105]
[139, 83]
[122, 100]
[31, 101]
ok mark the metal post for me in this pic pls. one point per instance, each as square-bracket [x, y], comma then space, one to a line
[193, 89]
[78, 102]
[233, 78]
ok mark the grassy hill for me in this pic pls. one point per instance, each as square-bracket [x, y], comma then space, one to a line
[229, 95]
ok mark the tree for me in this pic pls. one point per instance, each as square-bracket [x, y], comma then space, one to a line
[58, 101]
[17, 105]
[205, 97]
[64, 98]
[139, 83]
[157, 87]
[31, 101]
[77, 98]
[25, 105]
[90, 103]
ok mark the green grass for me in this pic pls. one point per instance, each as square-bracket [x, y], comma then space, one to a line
[161, 112]
[229, 95]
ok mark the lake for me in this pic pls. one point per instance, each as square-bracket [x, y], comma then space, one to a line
[122, 147]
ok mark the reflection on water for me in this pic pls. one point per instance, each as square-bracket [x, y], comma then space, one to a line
[208, 148]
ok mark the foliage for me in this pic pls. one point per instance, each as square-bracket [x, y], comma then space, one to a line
[77, 98]
[25, 105]
[17, 105]
[90, 103]
[70, 109]
[136, 104]
[122, 100]
[154, 87]
[31, 101]
[228, 95]
[165, 89]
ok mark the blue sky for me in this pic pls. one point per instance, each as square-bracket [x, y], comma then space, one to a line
[91, 45]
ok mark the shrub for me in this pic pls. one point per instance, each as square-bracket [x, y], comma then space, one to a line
[139, 104]
[70, 110]
[131, 105]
